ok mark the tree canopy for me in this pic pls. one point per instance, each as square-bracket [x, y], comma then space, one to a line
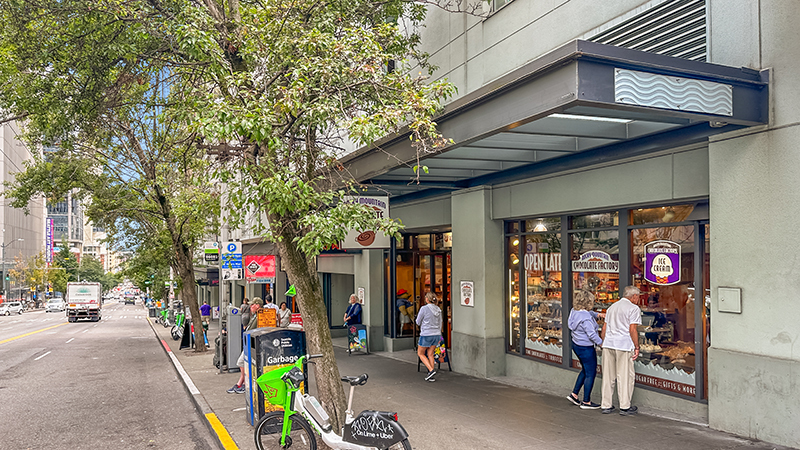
[135, 93]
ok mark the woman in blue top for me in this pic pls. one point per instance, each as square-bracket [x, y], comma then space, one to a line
[583, 324]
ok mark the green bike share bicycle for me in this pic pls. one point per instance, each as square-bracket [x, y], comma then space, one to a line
[177, 329]
[303, 417]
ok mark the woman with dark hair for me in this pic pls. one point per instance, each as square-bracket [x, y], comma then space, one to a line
[583, 324]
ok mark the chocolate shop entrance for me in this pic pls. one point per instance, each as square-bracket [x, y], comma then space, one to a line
[421, 264]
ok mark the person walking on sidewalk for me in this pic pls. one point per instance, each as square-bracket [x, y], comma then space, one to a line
[429, 320]
[583, 324]
[620, 349]
[205, 312]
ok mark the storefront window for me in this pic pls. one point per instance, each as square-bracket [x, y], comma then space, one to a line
[542, 269]
[512, 248]
[543, 225]
[600, 220]
[662, 214]
[663, 268]
[595, 265]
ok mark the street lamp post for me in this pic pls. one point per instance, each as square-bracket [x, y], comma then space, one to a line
[5, 275]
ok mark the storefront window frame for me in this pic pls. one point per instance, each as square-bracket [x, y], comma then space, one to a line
[625, 255]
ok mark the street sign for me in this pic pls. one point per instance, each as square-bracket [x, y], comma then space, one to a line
[231, 274]
[211, 251]
[232, 255]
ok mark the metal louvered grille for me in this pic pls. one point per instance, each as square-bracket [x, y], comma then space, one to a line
[674, 28]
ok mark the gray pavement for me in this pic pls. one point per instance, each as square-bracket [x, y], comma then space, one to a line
[458, 411]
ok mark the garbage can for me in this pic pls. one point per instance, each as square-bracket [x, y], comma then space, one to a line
[266, 349]
[152, 312]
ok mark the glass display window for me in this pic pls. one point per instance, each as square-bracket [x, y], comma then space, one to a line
[595, 265]
[661, 214]
[513, 285]
[663, 268]
[543, 314]
[543, 225]
[598, 220]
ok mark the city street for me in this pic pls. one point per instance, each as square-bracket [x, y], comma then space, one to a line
[89, 385]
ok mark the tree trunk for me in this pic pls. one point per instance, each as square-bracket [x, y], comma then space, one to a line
[185, 268]
[303, 274]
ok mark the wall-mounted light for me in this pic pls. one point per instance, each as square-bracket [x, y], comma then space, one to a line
[514, 260]
[515, 242]
[540, 227]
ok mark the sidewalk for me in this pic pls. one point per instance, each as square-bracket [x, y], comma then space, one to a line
[457, 411]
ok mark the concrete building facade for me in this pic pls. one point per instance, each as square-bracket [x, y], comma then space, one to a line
[16, 225]
[599, 145]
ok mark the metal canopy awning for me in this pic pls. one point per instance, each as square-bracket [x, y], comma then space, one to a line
[580, 104]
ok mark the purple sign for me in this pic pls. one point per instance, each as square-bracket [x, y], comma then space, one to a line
[48, 242]
[662, 262]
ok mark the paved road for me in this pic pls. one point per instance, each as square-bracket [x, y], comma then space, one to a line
[90, 385]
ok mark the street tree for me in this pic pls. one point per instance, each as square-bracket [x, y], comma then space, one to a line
[133, 163]
[277, 89]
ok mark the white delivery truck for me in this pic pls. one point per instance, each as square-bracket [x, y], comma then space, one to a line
[84, 301]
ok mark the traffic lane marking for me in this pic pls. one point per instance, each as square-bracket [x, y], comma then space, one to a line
[40, 357]
[32, 332]
[70, 340]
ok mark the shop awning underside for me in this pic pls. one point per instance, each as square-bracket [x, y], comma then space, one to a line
[579, 105]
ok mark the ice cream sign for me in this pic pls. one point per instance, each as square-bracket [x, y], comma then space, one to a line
[662, 262]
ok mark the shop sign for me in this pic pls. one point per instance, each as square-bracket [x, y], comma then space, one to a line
[259, 268]
[595, 261]
[662, 260]
[447, 240]
[467, 293]
[360, 239]
[548, 262]
[667, 385]
[362, 293]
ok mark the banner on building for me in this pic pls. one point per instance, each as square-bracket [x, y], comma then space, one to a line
[259, 268]
[361, 239]
[48, 242]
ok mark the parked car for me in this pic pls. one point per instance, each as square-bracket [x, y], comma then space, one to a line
[8, 308]
[55, 304]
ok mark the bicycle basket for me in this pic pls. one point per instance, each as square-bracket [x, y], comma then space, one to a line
[273, 386]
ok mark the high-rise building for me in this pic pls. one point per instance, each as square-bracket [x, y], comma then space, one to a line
[21, 235]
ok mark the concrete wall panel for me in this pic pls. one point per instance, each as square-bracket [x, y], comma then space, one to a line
[424, 214]
[754, 396]
[755, 191]
[655, 179]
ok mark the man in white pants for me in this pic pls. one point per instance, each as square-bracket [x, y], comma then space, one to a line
[620, 349]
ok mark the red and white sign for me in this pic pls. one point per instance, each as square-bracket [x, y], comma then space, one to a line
[467, 293]
[297, 318]
[259, 268]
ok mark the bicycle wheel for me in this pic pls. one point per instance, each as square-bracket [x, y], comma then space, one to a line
[268, 433]
[402, 445]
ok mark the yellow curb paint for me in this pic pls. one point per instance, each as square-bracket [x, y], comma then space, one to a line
[32, 332]
[224, 437]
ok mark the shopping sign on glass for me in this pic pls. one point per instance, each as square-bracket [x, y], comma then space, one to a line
[662, 262]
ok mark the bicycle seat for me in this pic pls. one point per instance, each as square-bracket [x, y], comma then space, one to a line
[357, 381]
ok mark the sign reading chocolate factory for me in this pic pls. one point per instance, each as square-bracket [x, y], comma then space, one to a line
[361, 239]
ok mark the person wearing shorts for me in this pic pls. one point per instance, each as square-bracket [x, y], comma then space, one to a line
[429, 320]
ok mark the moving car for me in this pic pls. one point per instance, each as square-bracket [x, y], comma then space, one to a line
[8, 308]
[55, 304]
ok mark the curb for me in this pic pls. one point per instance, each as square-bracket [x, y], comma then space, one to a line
[215, 427]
